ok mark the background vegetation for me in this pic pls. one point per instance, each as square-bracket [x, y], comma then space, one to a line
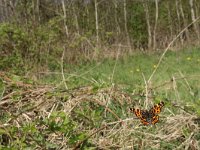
[34, 34]
[71, 69]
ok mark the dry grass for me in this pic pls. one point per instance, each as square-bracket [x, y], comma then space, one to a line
[116, 128]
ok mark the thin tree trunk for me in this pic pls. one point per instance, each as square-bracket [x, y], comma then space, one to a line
[148, 24]
[193, 17]
[65, 17]
[125, 17]
[38, 9]
[1, 11]
[184, 20]
[96, 22]
[179, 22]
[6, 9]
[170, 20]
[125, 26]
[196, 7]
[155, 26]
[116, 21]
[76, 20]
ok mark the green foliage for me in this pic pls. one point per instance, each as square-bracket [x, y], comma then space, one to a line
[14, 44]
[37, 44]
[59, 122]
[23, 50]
[137, 23]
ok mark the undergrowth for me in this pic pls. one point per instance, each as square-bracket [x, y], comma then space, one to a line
[91, 111]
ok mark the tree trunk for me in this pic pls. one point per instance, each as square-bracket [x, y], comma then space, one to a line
[184, 21]
[194, 18]
[96, 21]
[170, 22]
[1, 11]
[65, 17]
[146, 9]
[116, 21]
[76, 20]
[179, 22]
[155, 26]
[125, 26]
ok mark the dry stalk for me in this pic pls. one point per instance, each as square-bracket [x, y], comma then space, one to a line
[175, 89]
[146, 102]
[62, 69]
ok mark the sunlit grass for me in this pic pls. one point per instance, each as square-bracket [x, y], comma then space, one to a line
[129, 69]
[133, 71]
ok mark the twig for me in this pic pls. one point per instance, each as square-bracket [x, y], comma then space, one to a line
[113, 72]
[175, 88]
[62, 69]
[146, 88]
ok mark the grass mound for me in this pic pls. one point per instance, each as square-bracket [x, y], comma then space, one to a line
[39, 116]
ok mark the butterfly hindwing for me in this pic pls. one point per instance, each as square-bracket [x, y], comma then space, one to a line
[155, 119]
[144, 122]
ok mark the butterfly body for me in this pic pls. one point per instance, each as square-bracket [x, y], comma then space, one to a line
[149, 117]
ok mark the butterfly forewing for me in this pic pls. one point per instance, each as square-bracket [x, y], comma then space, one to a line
[157, 108]
[137, 112]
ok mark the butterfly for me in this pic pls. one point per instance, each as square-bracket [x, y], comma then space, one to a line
[149, 117]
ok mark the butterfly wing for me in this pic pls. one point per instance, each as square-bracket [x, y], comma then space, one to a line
[137, 112]
[144, 121]
[149, 117]
[157, 108]
[155, 119]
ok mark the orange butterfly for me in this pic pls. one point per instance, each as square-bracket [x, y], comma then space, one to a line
[149, 116]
